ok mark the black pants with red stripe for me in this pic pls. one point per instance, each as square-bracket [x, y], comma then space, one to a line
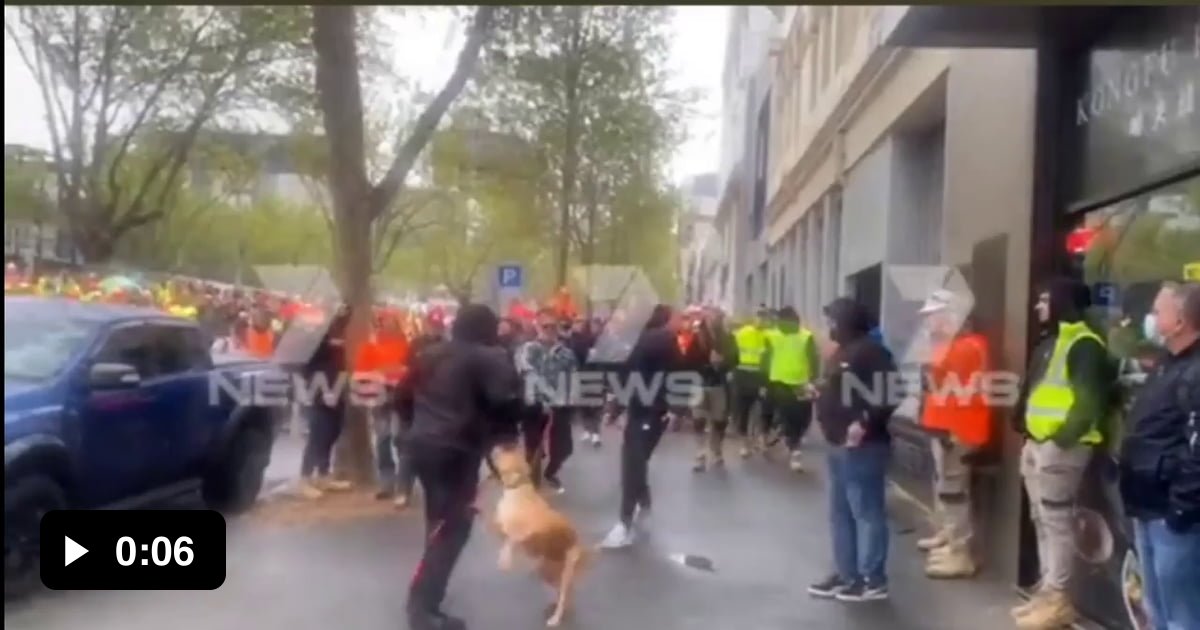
[450, 478]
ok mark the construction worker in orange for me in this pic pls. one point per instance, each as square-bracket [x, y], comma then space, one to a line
[563, 304]
[957, 414]
[259, 339]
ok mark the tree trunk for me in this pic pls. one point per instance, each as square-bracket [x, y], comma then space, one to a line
[340, 96]
[570, 140]
[355, 456]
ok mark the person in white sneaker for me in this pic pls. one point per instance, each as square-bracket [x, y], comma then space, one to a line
[655, 354]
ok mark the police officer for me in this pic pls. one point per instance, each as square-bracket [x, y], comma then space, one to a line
[463, 397]
[1160, 463]
[1068, 396]
[748, 378]
[792, 363]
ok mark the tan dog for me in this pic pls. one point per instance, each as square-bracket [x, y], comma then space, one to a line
[526, 520]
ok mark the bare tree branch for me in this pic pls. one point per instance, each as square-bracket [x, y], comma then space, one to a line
[427, 122]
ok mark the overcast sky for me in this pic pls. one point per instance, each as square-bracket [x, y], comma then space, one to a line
[698, 52]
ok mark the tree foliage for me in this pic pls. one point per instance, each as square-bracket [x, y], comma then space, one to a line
[587, 85]
[123, 81]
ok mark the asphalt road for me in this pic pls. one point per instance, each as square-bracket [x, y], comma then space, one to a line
[763, 528]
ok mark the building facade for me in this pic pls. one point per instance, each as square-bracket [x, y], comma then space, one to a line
[1115, 202]
[746, 77]
[700, 257]
[897, 171]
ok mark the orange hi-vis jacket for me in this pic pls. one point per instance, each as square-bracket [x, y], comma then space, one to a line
[383, 353]
[260, 343]
[684, 338]
[957, 403]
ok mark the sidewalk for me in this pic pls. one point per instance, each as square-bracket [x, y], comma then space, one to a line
[763, 528]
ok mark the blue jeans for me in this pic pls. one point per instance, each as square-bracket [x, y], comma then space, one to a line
[857, 512]
[391, 455]
[1170, 574]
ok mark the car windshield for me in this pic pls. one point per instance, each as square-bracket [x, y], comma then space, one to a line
[38, 345]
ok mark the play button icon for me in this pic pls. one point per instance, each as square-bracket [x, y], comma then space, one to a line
[72, 551]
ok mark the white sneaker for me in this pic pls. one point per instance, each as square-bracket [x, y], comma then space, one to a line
[619, 537]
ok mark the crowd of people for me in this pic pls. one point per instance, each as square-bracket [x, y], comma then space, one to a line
[462, 382]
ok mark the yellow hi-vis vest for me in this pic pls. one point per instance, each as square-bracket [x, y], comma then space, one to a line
[751, 344]
[1051, 399]
[790, 363]
[187, 312]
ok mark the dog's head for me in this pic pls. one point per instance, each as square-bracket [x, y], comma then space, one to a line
[511, 465]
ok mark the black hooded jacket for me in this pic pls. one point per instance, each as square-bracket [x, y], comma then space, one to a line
[464, 393]
[1088, 366]
[858, 355]
[654, 356]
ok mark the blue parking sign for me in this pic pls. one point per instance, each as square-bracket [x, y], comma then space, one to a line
[1106, 294]
[509, 276]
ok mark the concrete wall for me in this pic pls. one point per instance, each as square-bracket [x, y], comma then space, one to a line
[865, 202]
[988, 196]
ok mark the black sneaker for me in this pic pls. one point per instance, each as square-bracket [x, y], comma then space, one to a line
[434, 620]
[554, 485]
[861, 591]
[829, 588]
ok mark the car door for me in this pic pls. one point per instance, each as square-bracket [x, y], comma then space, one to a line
[116, 431]
[179, 389]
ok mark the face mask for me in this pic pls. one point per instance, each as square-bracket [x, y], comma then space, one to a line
[1150, 330]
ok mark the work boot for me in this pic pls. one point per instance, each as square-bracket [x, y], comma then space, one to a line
[329, 484]
[1034, 593]
[309, 490]
[948, 563]
[940, 539]
[1050, 611]
[796, 461]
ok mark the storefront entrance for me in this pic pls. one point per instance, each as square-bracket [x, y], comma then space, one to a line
[1128, 195]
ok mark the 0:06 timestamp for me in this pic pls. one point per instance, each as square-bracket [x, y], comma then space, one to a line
[162, 551]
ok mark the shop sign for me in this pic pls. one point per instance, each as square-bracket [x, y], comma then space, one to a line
[1137, 116]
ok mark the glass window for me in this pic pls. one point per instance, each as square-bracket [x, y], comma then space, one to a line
[37, 347]
[131, 345]
[1125, 252]
[179, 349]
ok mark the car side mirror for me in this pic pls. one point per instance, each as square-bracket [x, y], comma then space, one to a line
[113, 376]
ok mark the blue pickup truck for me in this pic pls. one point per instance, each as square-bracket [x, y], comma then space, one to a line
[109, 406]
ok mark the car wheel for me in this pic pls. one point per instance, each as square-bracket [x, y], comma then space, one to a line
[235, 484]
[26, 500]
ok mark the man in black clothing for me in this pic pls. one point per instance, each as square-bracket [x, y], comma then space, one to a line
[1160, 463]
[653, 358]
[464, 399]
[326, 410]
[856, 427]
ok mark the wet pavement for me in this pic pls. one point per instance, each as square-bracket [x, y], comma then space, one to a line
[762, 527]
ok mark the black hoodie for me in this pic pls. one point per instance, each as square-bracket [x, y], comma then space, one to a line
[1090, 371]
[858, 354]
[654, 356]
[464, 393]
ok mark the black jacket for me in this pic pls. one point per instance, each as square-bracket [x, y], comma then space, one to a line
[464, 393]
[865, 359]
[653, 358]
[1160, 457]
